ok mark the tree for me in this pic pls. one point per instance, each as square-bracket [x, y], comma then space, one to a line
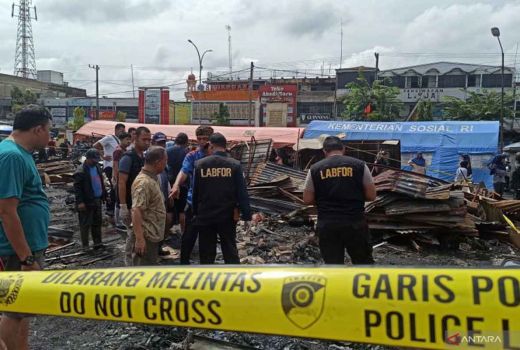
[79, 118]
[485, 105]
[20, 98]
[121, 116]
[376, 102]
[222, 117]
[424, 111]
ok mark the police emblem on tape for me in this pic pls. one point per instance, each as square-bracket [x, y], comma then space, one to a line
[303, 298]
[9, 287]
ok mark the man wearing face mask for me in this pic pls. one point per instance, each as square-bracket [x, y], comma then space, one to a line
[190, 234]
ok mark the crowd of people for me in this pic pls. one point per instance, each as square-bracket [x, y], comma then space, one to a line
[151, 187]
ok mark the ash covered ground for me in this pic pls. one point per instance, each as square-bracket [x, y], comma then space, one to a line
[271, 242]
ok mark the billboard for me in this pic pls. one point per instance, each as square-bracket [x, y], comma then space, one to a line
[182, 113]
[279, 95]
[154, 105]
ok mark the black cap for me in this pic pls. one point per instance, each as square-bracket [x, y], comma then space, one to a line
[218, 139]
[93, 154]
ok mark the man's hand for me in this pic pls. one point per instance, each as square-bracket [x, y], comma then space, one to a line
[171, 202]
[175, 192]
[33, 267]
[107, 158]
[82, 207]
[140, 246]
[124, 213]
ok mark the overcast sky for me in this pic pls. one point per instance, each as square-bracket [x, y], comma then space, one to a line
[302, 35]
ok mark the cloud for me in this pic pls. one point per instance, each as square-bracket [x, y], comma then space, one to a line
[301, 35]
[103, 11]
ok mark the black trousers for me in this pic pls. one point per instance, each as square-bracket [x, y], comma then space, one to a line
[499, 187]
[111, 202]
[189, 237]
[227, 232]
[90, 221]
[337, 235]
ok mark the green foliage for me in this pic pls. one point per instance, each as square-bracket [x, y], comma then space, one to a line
[121, 116]
[381, 96]
[483, 105]
[79, 118]
[424, 111]
[20, 98]
[222, 117]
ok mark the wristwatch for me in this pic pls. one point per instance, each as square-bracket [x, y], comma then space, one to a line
[29, 261]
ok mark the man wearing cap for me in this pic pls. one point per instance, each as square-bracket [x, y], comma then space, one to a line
[90, 192]
[339, 186]
[218, 188]
[176, 155]
[190, 234]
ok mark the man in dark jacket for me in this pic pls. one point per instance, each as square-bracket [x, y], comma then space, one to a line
[218, 189]
[339, 186]
[90, 193]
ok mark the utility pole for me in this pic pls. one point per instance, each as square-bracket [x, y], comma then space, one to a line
[133, 85]
[341, 45]
[496, 33]
[514, 92]
[377, 64]
[251, 94]
[96, 67]
[24, 61]
[230, 54]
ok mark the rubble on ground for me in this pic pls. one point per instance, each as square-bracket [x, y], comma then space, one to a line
[277, 237]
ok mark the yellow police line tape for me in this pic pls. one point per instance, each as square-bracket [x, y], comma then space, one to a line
[412, 307]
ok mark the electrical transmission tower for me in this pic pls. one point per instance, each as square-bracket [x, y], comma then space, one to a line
[230, 54]
[24, 61]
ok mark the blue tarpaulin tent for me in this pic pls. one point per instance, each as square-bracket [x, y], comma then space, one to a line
[442, 142]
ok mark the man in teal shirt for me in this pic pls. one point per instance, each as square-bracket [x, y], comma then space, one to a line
[24, 209]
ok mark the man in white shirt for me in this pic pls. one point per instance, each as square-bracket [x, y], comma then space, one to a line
[107, 145]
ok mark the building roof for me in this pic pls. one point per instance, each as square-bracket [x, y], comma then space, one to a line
[355, 69]
[281, 136]
[442, 68]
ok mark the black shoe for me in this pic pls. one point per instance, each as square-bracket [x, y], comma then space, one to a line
[163, 252]
[99, 246]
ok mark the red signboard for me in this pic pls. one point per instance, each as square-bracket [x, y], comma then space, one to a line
[103, 115]
[283, 94]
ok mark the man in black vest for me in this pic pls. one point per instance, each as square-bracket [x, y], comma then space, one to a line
[129, 167]
[218, 189]
[339, 186]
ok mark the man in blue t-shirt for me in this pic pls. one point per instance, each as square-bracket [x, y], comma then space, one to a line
[190, 234]
[90, 193]
[176, 155]
[24, 209]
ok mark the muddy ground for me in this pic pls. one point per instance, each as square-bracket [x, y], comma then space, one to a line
[257, 247]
